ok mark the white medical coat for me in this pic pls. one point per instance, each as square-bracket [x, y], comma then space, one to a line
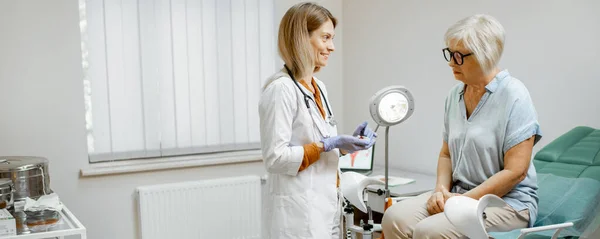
[303, 204]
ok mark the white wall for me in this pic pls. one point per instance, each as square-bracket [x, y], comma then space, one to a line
[552, 46]
[42, 113]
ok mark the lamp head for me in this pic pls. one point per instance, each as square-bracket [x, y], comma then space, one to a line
[391, 105]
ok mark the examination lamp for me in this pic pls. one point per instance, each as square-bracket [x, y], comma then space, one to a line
[388, 107]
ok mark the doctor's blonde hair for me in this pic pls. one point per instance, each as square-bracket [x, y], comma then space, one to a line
[294, 36]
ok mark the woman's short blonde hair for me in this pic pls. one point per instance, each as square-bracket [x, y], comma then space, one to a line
[294, 36]
[483, 35]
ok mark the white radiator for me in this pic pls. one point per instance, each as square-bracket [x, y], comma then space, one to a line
[217, 208]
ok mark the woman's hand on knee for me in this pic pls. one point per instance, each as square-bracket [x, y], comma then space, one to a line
[448, 195]
[435, 204]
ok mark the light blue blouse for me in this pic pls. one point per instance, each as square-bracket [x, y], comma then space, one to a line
[504, 117]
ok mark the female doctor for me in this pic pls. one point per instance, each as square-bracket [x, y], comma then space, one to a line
[299, 140]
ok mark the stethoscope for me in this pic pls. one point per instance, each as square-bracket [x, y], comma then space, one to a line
[330, 118]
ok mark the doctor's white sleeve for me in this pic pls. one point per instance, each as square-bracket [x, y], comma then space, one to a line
[277, 109]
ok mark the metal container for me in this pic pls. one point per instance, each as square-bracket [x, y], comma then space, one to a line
[6, 193]
[29, 175]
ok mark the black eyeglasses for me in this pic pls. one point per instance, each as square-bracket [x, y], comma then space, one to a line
[457, 56]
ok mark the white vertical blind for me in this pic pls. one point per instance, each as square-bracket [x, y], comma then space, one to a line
[174, 77]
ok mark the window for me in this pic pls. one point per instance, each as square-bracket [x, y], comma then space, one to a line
[174, 77]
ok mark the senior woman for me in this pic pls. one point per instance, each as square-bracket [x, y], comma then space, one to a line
[490, 128]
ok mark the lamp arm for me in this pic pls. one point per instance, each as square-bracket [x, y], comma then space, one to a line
[387, 133]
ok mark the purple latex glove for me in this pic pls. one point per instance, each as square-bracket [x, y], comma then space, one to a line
[347, 142]
[362, 130]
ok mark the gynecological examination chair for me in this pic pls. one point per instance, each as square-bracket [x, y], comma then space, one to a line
[568, 174]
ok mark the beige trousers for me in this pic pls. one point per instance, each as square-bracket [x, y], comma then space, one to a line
[409, 219]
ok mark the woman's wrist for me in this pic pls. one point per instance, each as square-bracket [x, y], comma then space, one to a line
[321, 147]
[441, 188]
